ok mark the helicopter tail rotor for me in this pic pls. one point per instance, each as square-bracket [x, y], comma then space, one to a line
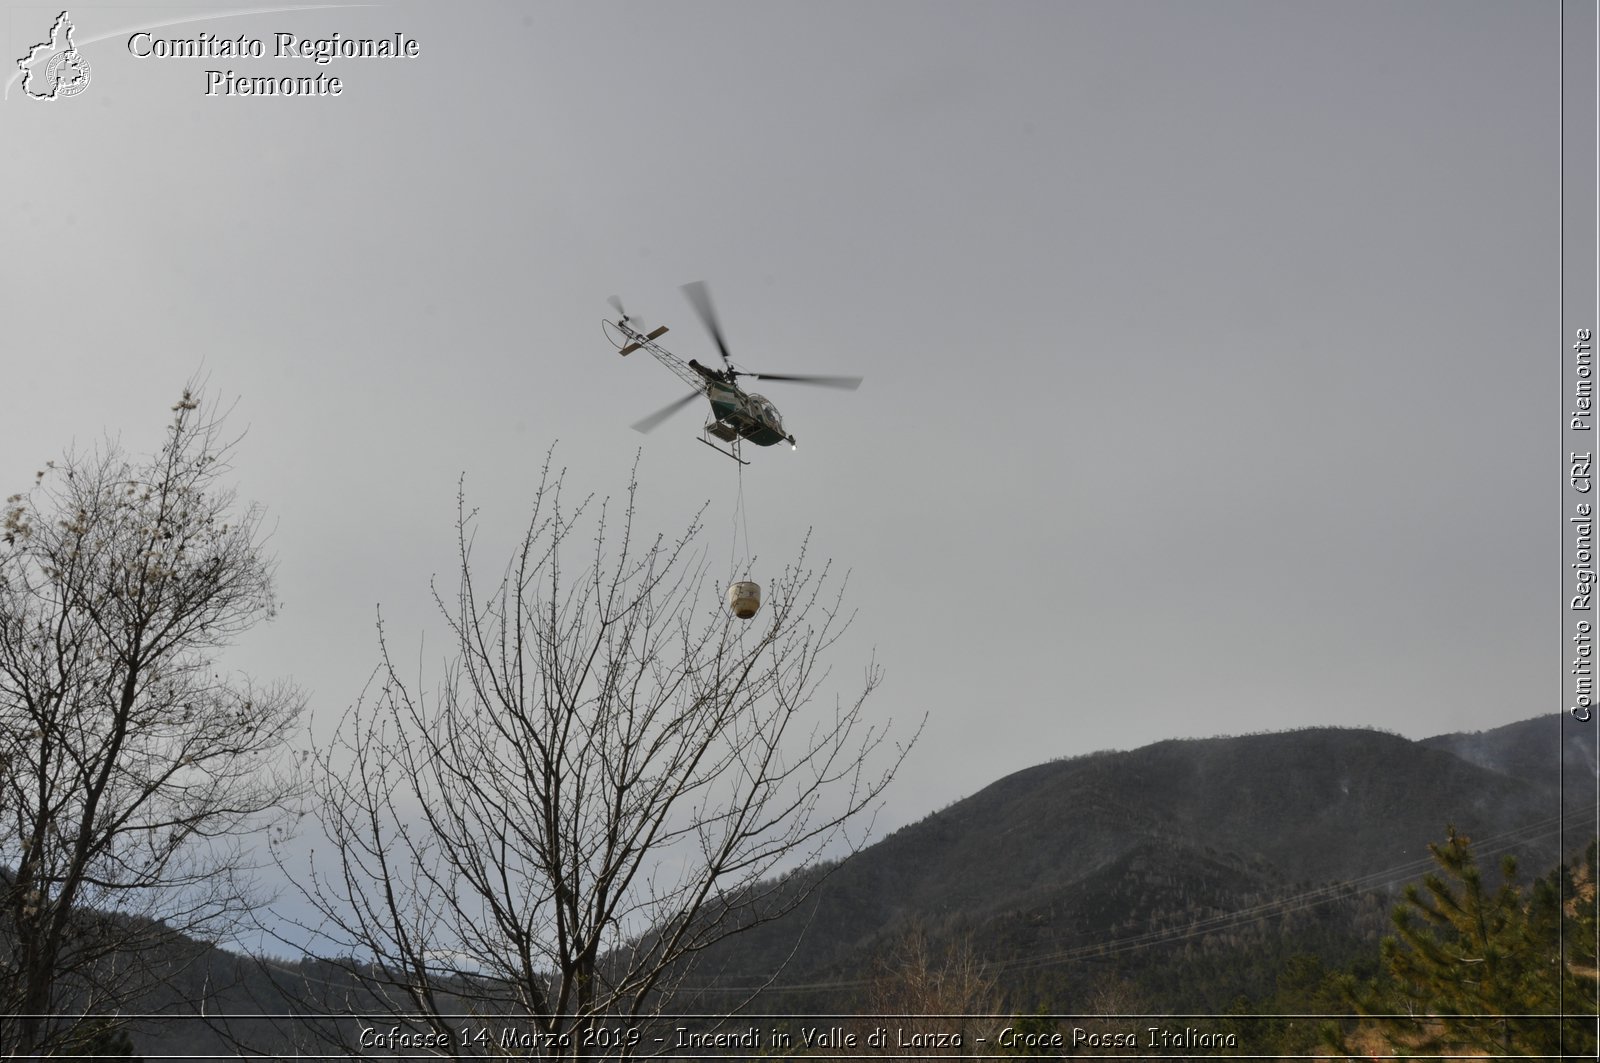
[632, 329]
[625, 318]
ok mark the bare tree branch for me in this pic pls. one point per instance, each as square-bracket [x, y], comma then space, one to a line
[603, 783]
[131, 768]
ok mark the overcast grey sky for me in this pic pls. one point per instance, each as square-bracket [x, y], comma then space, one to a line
[1201, 340]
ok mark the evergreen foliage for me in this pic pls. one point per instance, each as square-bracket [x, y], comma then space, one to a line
[1481, 970]
[99, 1038]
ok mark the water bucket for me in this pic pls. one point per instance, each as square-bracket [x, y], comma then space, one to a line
[744, 598]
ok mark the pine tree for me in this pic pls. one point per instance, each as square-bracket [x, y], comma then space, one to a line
[1568, 896]
[1476, 970]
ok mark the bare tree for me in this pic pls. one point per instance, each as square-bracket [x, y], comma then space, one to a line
[131, 768]
[932, 998]
[602, 784]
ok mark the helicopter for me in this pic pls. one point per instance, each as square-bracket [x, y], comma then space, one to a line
[736, 414]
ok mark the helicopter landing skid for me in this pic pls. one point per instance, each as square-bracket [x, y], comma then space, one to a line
[719, 450]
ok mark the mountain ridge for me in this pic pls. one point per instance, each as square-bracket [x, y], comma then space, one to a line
[1188, 872]
[1150, 838]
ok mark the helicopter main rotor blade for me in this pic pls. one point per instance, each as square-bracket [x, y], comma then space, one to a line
[848, 383]
[666, 411]
[700, 298]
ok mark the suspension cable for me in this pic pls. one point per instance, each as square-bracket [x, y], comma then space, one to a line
[741, 522]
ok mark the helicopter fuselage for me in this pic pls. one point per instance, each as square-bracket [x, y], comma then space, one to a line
[736, 412]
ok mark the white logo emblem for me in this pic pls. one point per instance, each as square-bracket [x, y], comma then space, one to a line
[55, 68]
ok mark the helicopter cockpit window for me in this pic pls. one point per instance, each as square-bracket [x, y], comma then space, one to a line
[768, 411]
